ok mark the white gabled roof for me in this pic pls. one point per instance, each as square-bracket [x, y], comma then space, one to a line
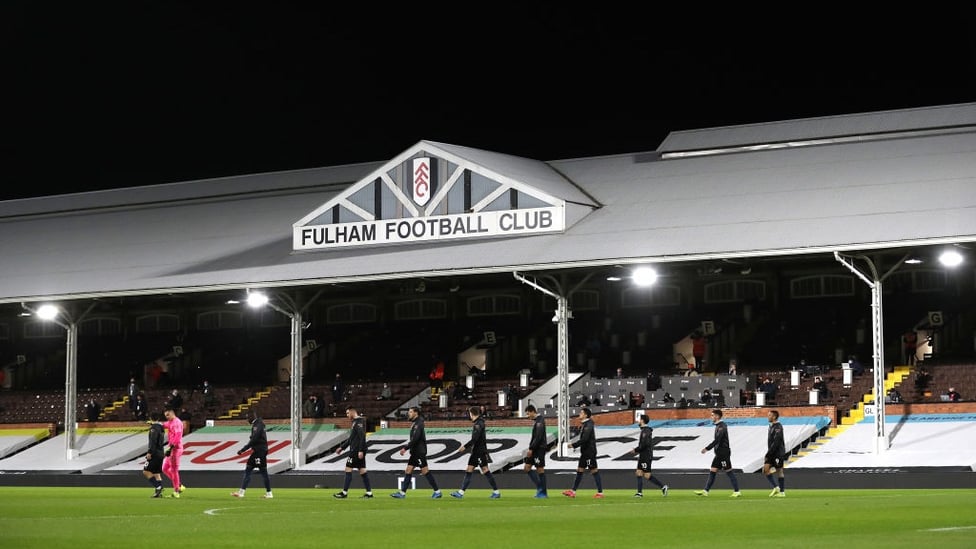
[887, 190]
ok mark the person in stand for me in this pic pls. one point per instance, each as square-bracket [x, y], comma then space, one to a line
[171, 463]
[953, 395]
[417, 446]
[209, 396]
[723, 456]
[922, 379]
[92, 410]
[698, 347]
[311, 406]
[479, 455]
[258, 445]
[857, 367]
[175, 400]
[386, 393]
[338, 390]
[620, 373]
[820, 386]
[141, 408]
[587, 461]
[775, 458]
[910, 342]
[535, 456]
[733, 367]
[154, 455]
[645, 457]
[133, 393]
[356, 459]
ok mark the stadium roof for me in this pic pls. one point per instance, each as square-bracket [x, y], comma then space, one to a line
[847, 183]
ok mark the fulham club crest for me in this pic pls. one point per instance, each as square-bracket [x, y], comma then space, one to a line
[421, 181]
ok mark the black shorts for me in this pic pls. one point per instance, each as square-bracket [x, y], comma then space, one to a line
[776, 462]
[644, 465]
[538, 459]
[257, 462]
[353, 462]
[722, 463]
[587, 462]
[418, 462]
[154, 465]
[479, 460]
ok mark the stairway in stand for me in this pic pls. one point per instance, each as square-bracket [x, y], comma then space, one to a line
[856, 414]
[238, 411]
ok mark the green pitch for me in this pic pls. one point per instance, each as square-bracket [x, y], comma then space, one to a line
[208, 518]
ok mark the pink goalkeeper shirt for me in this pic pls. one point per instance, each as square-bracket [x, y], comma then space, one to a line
[174, 432]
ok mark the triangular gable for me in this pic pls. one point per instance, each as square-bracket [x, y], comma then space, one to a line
[431, 193]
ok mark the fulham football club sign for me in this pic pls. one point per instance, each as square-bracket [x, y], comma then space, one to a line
[429, 194]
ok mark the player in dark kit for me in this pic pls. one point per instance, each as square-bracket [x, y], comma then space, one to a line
[479, 455]
[417, 446]
[535, 456]
[357, 454]
[154, 455]
[587, 460]
[723, 456]
[775, 456]
[258, 445]
[645, 456]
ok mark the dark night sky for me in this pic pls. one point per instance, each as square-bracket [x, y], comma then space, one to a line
[101, 95]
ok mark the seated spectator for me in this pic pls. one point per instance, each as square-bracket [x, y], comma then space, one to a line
[856, 367]
[893, 396]
[386, 393]
[667, 398]
[733, 367]
[706, 396]
[953, 395]
[622, 400]
[584, 401]
[636, 400]
[309, 409]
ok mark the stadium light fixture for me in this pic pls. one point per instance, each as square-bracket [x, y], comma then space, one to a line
[644, 276]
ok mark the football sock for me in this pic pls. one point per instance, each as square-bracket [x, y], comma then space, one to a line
[710, 481]
[433, 483]
[771, 481]
[365, 477]
[735, 482]
[656, 482]
[534, 477]
[782, 484]
[542, 482]
[466, 482]
[407, 479]
[576, 481]
[491, 481]
[347, 482]
[599, 481]
[267, 480]
[640, 484]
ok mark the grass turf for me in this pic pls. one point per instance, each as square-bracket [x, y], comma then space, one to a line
[209, 518]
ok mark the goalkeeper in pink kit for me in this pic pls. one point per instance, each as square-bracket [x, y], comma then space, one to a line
[171, 463]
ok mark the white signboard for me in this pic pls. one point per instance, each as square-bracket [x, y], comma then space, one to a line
[433, 228]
